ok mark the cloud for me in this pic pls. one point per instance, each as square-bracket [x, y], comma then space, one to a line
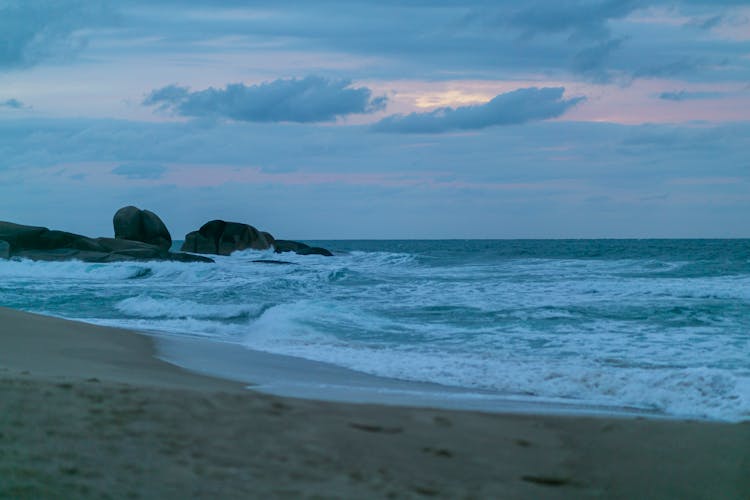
[580, 18]
[682, 66]
[140, 171]
[307, 100]
[32, 31]
[596, 39]
[511, 108]
[684, 95]
[706, 23]
[12, 103]
[592, 60]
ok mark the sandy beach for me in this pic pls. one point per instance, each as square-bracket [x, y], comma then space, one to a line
[89, 412]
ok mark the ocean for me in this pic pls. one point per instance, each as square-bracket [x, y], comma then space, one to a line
[660, 326]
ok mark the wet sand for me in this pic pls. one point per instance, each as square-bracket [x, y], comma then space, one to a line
[88, 412]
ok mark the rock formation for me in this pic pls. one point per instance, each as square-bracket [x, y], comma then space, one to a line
[281, 246]
[134, 224]
[222, 238]
[40, 243]
[141, 235]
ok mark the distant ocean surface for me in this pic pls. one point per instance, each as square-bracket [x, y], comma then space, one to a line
[660, 325]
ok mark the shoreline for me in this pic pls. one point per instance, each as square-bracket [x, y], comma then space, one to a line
[294, 377]
[87, 411]
[299, 378]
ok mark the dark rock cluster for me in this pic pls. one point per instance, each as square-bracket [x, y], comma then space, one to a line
[40, 243]
[140, 235]
[222, 238]
[281, 246]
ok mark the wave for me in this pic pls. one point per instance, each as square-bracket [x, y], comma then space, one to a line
[144, 306]
[686, 391]
[523, 318]
[19, 269]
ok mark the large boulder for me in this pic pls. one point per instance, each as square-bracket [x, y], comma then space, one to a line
[197, 243]
[132, 223]
[222, 238]
[281, 246]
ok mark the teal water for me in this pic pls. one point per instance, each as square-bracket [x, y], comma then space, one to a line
[662, 325]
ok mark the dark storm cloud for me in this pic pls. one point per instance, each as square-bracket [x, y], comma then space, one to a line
[307, 100]
[511, 108]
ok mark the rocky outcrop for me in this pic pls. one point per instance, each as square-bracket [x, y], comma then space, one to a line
[4, 250]
[134, 224]
[18, 235]
[222, 238]
[269, 237]
[281, 246]
[141, 235]
[40, 243]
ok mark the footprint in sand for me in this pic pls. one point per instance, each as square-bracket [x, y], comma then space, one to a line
[438, 452]
[547, 480]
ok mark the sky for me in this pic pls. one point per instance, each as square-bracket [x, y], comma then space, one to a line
[380, 119]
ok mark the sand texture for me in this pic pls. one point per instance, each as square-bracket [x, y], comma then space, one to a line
[87, 412]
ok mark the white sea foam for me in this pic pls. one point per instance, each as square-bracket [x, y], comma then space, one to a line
[292, 329]
[144, 306]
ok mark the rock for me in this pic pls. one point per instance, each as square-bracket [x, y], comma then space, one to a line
[269, 237]
[281, 246]
[60, 239]
[40, 238]
[4, 249]
[197, 243]
[64, 254]
[223, 238]
[19, 235]
[237, 236]
[40, 243]
[137, 250]
[131, 223]
[115, 245]
[61, 254]
[315, 251]
[186, 257]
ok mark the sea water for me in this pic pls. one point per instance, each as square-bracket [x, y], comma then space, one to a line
[656, 325]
